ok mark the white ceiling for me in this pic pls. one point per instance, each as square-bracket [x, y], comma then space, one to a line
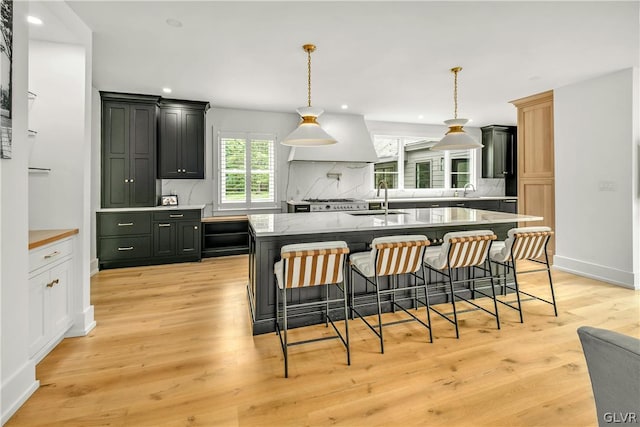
[386, 60]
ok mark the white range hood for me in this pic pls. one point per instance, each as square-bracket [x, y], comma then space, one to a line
[354, 141]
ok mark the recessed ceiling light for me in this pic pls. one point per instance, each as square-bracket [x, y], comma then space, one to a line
[421, 117]
[174, 22]
[34, 20]
[166, 89]
[344, 106]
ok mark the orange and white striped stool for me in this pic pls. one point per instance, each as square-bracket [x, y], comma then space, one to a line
[524, 243]
[463, 249]
[391, 256]
[305, 265]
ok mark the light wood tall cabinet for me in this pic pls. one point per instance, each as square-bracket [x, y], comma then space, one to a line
[536, 177]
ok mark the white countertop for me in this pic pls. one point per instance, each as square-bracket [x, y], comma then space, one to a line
[153, 208]
[332, 222]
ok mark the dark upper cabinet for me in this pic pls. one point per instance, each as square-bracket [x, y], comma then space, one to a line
[181, 139]
[128, 150]
[499, 151]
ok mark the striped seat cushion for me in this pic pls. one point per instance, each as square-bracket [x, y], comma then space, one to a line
[310, 264]
[468, 248]
[391, 255]
[526, 243]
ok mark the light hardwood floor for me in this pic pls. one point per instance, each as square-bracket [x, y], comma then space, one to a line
[173, 347]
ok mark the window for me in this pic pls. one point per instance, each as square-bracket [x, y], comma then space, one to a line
[423, 175]
[387, 172]
[247, 171]
[409, 162]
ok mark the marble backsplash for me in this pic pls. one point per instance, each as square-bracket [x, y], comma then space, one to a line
[317, 180]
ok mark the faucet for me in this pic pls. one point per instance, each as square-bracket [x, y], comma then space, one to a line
[466, 187]
[386, 195]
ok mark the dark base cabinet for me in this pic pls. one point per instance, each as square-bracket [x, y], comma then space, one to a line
[499, 205]
[133, 238]
[225, 236]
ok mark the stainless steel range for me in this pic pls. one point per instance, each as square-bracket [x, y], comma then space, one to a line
[328, 205]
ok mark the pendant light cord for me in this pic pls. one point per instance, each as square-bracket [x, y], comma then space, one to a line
[455, 91]
[309, 77]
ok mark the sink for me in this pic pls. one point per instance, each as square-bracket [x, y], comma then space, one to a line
[376, 212]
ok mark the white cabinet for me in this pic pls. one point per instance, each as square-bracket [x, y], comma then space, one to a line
[50, 283]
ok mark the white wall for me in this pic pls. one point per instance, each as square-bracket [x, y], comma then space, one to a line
[18, 373]
[56, 75]
[596, 158]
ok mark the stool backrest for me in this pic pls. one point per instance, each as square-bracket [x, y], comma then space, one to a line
[527, 242]
[312, 264]
[466, 248]
[398, 254]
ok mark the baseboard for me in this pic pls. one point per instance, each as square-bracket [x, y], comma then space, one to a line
[93, 266]
[83, 323]
[17, 389]
[594, 271]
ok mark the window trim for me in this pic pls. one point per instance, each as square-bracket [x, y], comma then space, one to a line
[248, 203]
[426, 162]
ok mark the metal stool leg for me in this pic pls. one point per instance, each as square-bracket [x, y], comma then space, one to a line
[515, 282]
[379, 315]
[346, 321]
[286, 345]
[453, 303]
[553, 296]
[493, 292]
[426, 300]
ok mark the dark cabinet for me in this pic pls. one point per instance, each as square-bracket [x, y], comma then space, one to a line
[181, 139]
[509, 205]
[128, 150]
[131, 238]
[498, 153]
[225, 236]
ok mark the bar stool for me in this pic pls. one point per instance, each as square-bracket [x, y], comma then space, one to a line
[524, 243]
[459, 250]
[391, 256]
[305, 265]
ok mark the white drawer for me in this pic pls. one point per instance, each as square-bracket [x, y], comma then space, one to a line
[50, 253]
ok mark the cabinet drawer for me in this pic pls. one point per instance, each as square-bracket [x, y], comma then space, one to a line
[121, 248]
[177, 215]
[49, 254]
[124, 223]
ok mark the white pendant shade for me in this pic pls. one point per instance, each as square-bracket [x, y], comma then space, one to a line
[309, 133]
[456, 138]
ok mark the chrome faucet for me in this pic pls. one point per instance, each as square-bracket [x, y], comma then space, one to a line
[466, 187]
[386, 195]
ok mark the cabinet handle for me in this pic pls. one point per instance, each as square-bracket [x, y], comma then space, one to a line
[184, 170]
[435, 206]
[179, 170]
[131, 180]
[510, 201]
[187, 250]
[164, 225]
[125, 224]
[52, 283]
[195, 227]
[126, 180]
[176, 215]
[52, 254]
[460, 205]
[129, 248]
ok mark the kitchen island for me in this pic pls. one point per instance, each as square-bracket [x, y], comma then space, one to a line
[269, 232]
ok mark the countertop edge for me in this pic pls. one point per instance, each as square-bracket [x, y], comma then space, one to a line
[39, 238]
[153, 208]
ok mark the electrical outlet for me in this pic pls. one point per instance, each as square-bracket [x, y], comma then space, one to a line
[606, 186]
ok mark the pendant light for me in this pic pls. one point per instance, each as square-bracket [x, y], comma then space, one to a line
[456, 138]
[309, 133]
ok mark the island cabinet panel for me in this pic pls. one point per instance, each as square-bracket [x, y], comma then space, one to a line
[132, 238]
[264, 251]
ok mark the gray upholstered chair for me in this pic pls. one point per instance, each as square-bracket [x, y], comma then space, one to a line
[613, 360]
